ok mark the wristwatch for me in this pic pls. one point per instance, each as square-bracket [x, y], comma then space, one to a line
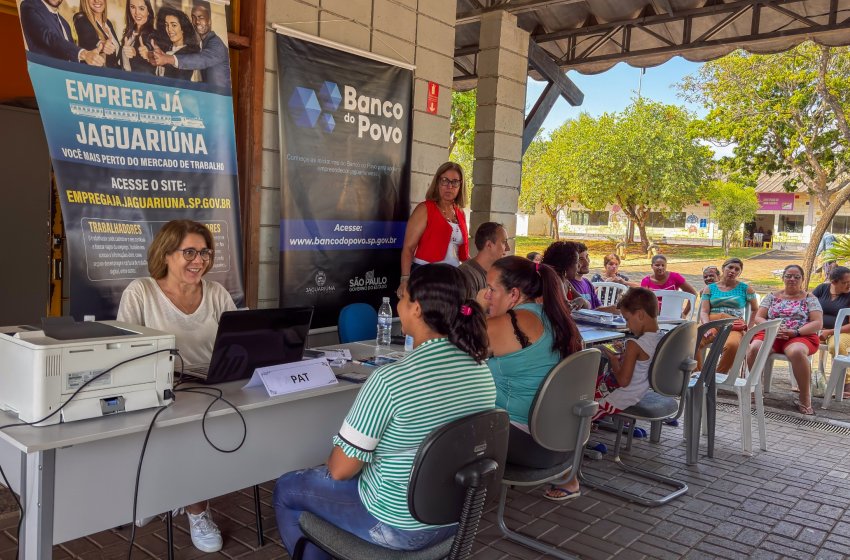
[796, 333]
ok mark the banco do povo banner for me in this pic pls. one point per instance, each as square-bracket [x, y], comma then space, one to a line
[345, 141]
[136, 104]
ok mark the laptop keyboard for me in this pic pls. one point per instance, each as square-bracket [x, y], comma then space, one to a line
[197, 370]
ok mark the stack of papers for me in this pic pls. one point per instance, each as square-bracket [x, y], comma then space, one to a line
[598, 318]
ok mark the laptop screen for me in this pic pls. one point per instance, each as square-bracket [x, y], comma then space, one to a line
[256, 338]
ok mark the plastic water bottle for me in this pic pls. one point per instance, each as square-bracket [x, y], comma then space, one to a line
[385, 323]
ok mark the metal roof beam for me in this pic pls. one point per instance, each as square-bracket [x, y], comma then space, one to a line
[515, 7]
[542, 61]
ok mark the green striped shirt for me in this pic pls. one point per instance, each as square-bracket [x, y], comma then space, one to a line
[395, 410]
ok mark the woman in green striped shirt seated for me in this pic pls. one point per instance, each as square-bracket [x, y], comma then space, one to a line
[363, 487]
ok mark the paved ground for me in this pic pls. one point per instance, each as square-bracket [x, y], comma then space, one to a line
[788, 502]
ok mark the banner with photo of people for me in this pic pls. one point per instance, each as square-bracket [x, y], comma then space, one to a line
[345, 124]
[137, 108]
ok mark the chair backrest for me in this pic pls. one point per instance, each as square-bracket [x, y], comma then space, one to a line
[479, 441]
[709, 365]
[357, 321]
[551, 419]
[672, 303]
[748, 312]
[670, 368]
[770, 328]
[609, 292]
[839, 321]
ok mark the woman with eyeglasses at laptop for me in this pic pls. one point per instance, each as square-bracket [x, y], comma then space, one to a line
[363, 488]
[176, 299]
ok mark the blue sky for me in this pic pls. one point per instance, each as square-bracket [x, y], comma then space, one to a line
[613, 90]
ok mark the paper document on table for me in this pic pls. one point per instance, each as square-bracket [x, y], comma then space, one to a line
[293, 377]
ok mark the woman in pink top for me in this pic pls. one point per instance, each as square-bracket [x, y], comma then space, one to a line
[662, 279]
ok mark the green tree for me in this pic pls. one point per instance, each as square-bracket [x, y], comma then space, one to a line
[733, 204]
[785, 113]
[536, 187]
[462, 132]
[644, 159]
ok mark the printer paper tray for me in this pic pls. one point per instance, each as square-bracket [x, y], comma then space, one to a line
[93, 407]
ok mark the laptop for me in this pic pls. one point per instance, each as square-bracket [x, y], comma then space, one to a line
[254, 338]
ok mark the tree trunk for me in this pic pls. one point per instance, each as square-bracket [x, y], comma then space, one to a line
[644, 240]
[630, 232]
[553, 216]
[725, 238]
[821, 226]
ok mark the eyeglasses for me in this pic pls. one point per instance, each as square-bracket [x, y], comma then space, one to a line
[793, 277]
[453, 183]
[190, 254]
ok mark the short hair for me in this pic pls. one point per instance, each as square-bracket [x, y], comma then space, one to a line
[561, 256]
[711, 267]
[202, 4]
[797, 266]
[580, 247]
[733, 260]
[168, 240]
[656, 257]
[486, 232]
[433, 192]
[838, 273]
[532, 255]
[610, 258]
[639, 299]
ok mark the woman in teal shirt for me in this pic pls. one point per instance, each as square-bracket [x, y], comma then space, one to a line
[527, 339]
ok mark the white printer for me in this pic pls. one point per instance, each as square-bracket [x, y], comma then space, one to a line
[38, 372]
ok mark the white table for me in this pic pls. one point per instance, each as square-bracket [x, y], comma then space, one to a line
[77, 478]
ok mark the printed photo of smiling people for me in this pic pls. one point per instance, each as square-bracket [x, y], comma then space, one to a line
[184, 39]
[137, 109]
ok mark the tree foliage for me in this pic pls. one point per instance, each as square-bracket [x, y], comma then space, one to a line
[643, 159]
[462, 132]
[733, 204]
[786, 113]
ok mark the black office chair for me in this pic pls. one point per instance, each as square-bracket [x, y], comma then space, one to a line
[697, 390]
[669, 375]
[559, 420]
[453, 470]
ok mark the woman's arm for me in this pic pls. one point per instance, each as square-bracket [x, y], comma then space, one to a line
[754, 306]
[341, 466]
[412, 234]
[761, 316]
[814, 325]
[705, 306]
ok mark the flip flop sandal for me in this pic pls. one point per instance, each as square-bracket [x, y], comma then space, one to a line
[639, 433]
[558, 494]
[802, 409]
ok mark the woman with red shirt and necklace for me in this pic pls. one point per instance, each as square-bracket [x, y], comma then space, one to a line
[436, 231]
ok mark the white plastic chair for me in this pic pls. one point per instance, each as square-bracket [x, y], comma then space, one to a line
[835, 385]
[673, 303]
[750, 383]
[609, 292]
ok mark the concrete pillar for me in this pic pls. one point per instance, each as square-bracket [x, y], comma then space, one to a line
[499, 119]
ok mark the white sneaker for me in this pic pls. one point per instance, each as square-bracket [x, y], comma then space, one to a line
[205, 534]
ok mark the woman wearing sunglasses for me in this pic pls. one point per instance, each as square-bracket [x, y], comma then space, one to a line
[176, 299]
[436, 231]
[802, 318]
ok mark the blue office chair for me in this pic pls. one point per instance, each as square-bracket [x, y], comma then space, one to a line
[357, 321]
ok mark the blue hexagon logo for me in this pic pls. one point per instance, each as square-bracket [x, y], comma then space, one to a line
[330, 96]
[305, 107]
[327, 121]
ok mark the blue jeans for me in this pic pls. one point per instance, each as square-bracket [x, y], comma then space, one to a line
[338, 502]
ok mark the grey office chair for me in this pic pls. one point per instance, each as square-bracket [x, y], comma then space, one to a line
[697, 390]
[559, 420]
[453, 470]
[669, 374]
